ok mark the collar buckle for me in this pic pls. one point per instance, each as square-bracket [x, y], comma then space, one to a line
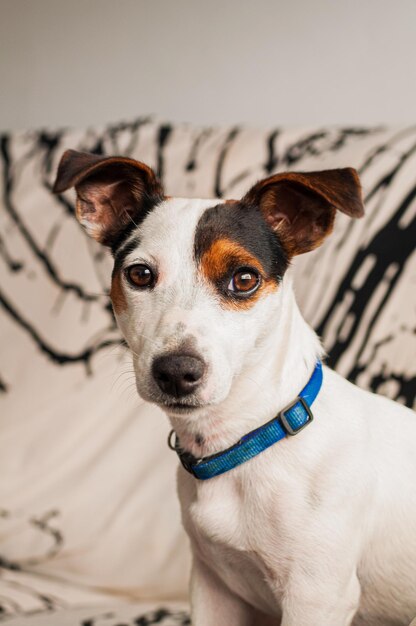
[188, 460]
[284, 416]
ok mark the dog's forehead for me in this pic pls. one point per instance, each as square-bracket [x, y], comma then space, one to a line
[173, 224]
[215, 234]
[165, 233]
[196, 224]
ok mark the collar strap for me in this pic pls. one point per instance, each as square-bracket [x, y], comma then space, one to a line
[290, 421]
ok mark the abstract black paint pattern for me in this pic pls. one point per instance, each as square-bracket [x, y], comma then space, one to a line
[162, 616]
[52, 608]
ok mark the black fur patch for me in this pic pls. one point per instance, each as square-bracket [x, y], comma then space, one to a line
[245, 225]
[118, 240]
[124, 250]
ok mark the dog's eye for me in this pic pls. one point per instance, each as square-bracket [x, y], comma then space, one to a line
[244, 281]
[140, 275]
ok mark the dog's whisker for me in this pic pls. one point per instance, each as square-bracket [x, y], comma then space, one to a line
[122, 375]
[129, 388]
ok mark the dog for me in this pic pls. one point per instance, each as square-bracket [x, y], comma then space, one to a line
[297, 515]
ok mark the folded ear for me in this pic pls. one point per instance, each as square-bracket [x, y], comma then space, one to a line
[113, 193]
[301, 207]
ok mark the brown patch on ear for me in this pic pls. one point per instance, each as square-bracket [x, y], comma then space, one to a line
[224, 255]
[112, 192]
[117, 296]
[74, 167]
[301, 207]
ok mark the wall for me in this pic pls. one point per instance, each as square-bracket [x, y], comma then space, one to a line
[213, 61]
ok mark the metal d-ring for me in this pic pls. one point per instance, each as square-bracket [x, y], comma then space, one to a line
[171, 445]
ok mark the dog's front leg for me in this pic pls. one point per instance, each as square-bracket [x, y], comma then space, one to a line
[329, 602]
[212, 604]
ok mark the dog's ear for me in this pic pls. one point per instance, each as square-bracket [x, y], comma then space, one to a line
[301, 207]
[112, 192]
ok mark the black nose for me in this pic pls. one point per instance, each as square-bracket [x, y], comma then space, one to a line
[178, 375]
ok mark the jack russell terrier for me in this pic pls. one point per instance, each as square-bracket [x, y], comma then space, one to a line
[298, 489]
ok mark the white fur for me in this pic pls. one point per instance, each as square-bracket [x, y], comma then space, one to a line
[318, 530]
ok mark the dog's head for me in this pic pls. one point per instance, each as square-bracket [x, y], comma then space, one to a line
[197, 284]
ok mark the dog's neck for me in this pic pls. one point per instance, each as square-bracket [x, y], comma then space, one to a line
[279, 369]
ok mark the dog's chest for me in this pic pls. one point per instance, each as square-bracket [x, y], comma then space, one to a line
[236, 535]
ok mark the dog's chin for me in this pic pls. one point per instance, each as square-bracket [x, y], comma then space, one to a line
[181, 409]
[192, 406]
[171, 406]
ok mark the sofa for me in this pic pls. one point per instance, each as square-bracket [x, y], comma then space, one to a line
[90, 530]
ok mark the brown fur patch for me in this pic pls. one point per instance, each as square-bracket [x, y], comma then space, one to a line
[117, 294]
[290, 242]
[75, 167]
[301, 207]
[221, 258]
[113, 193]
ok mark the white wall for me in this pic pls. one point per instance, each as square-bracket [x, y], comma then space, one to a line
[77, 62]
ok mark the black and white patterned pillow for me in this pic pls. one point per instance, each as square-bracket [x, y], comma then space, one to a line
[358, 291]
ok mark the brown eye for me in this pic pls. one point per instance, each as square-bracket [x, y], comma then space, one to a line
[244, 281]
[140, 276]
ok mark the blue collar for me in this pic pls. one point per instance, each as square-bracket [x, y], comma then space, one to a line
[289, 421]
